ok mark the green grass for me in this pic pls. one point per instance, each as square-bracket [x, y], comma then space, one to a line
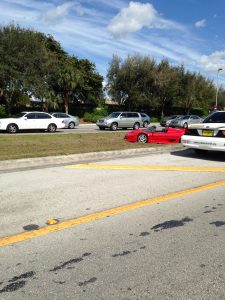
[26, 146]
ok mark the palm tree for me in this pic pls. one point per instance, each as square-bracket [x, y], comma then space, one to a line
[69, 78]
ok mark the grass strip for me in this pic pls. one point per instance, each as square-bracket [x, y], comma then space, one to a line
[41, 145]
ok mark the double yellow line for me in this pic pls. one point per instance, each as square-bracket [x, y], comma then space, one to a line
[8, 240]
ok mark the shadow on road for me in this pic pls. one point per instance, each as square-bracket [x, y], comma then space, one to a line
[210, 155]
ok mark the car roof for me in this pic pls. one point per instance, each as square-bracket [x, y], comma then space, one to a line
[35, 111]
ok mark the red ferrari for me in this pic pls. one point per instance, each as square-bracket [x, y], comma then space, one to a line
[153, 135]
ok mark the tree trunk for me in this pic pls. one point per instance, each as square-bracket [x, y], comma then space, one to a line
[66, 102]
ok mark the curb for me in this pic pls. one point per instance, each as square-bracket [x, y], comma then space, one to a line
[37, 162]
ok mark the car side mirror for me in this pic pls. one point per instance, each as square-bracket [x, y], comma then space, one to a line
[25, 118]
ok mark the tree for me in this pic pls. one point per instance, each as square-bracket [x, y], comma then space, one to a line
[34, 64]
[196, 90]
[68, 79]
[130, 83]
[166, 85]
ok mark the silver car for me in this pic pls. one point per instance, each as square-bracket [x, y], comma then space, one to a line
[184, 121]
[121, 120]
[70, 121]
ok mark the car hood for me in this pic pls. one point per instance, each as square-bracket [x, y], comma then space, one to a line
[207, 126]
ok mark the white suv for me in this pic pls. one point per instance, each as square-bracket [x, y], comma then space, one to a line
[31, 121]
[208, 135]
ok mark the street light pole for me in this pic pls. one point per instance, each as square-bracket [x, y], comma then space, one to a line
[220, 69]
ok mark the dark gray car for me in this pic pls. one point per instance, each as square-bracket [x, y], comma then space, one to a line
[184, 121]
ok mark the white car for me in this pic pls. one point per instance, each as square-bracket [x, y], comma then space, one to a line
[31, 121]
[208, 135]
[70, 121]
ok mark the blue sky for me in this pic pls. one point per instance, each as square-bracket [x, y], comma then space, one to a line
[189, 32]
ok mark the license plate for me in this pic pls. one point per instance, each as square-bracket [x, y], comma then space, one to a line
[207, 132]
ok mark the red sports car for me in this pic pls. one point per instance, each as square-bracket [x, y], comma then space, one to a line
[154, 135]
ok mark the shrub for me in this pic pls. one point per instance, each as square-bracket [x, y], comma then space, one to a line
[3, 113]
[154, 119]
[95, 115]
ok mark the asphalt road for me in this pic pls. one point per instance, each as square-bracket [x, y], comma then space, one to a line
[82, 128]
[150, 227]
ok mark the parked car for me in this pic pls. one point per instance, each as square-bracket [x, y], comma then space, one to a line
[145, 119]
[31, 121]
[121, 120]
[153, 135]
[166, 122]
[184, 121]
[70, 121]
[209, 135]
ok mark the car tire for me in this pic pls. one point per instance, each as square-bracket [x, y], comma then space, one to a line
[71, 125]
[114, 126]
[200, 151]
[185, 125]
[12, 128]
[145, 124]
[136, 126]
[142, 138]
[52, 127]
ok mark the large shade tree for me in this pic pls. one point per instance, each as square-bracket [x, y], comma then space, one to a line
[34, 64]
[138, 81]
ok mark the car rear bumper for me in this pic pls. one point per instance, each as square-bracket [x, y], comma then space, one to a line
[204, 143]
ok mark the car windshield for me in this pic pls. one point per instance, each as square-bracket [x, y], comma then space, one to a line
[20, 115]
[114, 115]
[217, 117]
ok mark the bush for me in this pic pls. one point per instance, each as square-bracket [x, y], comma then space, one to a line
[154, 119]
[98, 113]
[3, 113]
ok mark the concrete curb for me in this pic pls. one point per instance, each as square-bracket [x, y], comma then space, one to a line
[83, 157]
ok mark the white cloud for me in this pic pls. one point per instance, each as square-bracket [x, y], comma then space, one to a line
[61, 11]
[212, 62]
[201, 23]
[136, 16]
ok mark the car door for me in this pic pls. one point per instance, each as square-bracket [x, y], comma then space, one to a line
[28, 121]
[166, 136]
[42, 120]
[64, 117]
[123, 120]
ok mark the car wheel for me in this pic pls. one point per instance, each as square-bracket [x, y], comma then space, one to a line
[145, 124]
[136, 126]
[52, 128]
[185, 125]
[142, 138]
[114, 126]
[71, 125]
[12, 128]
[200, 151]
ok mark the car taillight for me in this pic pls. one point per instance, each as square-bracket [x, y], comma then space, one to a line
[223, 132]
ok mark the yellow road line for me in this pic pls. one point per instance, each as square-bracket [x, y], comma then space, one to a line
[146, 168]
[8, 240]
